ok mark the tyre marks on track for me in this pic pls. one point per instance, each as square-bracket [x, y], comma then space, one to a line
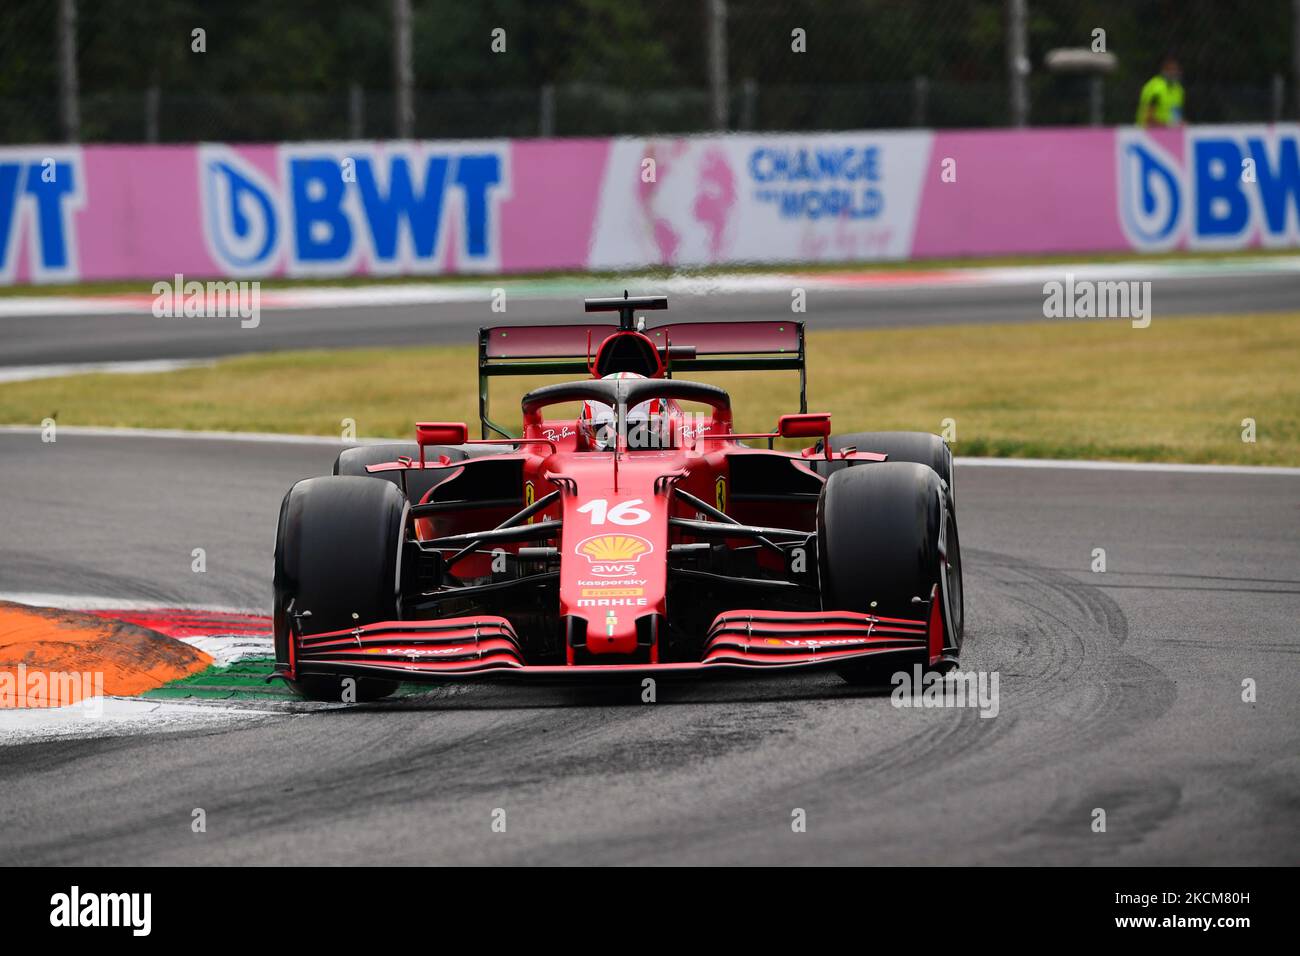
[1058, 643]
[1066, 687]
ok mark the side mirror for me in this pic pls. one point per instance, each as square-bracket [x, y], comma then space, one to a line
[676, 353]
[441, 433]
[807, 425]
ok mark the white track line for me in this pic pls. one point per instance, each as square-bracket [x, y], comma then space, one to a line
[226, 649]
[94, 431]
[94, 602]
[1174, 467]
[115, 716]
[27, 373]
[272, 438]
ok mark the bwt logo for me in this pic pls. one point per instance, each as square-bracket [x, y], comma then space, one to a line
[39, 192]
[404, 208]
[1236, 186]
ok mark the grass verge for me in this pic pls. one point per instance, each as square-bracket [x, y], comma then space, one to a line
[1176, 391]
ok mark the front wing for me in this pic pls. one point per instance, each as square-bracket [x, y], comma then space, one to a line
[487, 646]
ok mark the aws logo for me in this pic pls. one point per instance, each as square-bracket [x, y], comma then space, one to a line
[613, 555]
[1234, 187]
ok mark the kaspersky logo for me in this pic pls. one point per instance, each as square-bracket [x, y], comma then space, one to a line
[613, 555]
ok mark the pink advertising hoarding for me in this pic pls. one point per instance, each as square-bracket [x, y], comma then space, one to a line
[430, 208]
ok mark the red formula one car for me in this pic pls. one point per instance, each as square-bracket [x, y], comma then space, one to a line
[635, 534]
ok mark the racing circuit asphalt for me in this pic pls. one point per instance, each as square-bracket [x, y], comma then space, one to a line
[1119, 691]
[46, 339]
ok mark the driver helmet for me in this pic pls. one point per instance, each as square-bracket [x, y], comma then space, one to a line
[597, 421]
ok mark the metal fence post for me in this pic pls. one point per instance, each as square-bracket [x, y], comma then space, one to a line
[749, 104]
[1018, 61]
[152, 107]
[403, 71]
[718, 61]
[69, 110]
[356, 111]
[546, 111]
[1295, 56]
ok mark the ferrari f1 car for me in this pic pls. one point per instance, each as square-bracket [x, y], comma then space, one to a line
[636, 533]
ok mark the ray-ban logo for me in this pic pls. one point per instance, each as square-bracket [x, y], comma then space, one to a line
[74, 909]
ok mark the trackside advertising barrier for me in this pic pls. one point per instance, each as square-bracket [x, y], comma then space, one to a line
[335, 209]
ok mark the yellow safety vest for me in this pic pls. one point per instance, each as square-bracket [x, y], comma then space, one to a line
[1164, 99]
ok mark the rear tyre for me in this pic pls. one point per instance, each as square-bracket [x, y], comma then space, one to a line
[881, 531]
[919, 447]
[338, 555]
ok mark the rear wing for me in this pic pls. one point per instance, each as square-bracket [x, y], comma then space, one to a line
[568, 350]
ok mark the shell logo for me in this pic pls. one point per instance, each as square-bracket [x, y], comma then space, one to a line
[613, 555]
[614, 547]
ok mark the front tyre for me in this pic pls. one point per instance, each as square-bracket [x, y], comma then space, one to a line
[922, 448]
[887, 537]
[338, 565]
